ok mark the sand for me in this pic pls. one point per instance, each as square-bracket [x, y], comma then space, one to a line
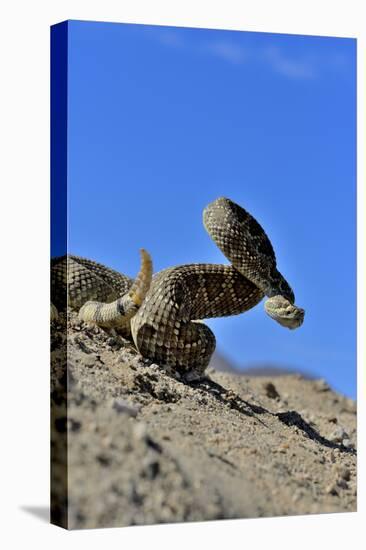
[138, 446]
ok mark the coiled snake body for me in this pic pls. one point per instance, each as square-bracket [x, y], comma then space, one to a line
[163, 312]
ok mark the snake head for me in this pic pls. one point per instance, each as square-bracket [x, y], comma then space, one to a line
[285, 313]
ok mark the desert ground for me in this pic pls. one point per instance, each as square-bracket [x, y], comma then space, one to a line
[133, 444]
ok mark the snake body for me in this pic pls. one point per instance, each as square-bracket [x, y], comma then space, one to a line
[163, 313]
[102, 295]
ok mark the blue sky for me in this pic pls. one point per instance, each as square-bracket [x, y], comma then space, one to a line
[163, 120]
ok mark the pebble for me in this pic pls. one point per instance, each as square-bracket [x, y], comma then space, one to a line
[283, 448]
[89, 361]
[111, 341]
[139, 431]
[271, 390]
[75, 323]
[338, 435]
[334, 455]
[342, 484]
[298, 494]
[321, 385]
[122, 406]
[331, 489]
[343, 472]
[151, 467]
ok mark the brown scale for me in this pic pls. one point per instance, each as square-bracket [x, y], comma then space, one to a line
[164, 328]
[245, 243]
[82, 280]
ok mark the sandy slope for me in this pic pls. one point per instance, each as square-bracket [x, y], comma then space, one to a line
[143, 447]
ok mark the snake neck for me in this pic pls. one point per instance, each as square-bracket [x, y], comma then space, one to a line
[278, 286]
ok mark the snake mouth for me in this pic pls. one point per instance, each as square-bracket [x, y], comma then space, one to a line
[286, 314]
[290, 323]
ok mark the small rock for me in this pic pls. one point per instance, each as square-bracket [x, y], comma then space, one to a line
[334, 455]
[74, 425]
[103, 460]
[271, 390]
[338, 435]
[151, 468]
[298, 494]
[122, 406]
[331, 489]
[89, 361]
[321, 385]
[112, 341]
[139, 431]
[192, 376]
[343, 472]
[342, 484]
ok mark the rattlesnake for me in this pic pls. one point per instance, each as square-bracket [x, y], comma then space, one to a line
[163, 313]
